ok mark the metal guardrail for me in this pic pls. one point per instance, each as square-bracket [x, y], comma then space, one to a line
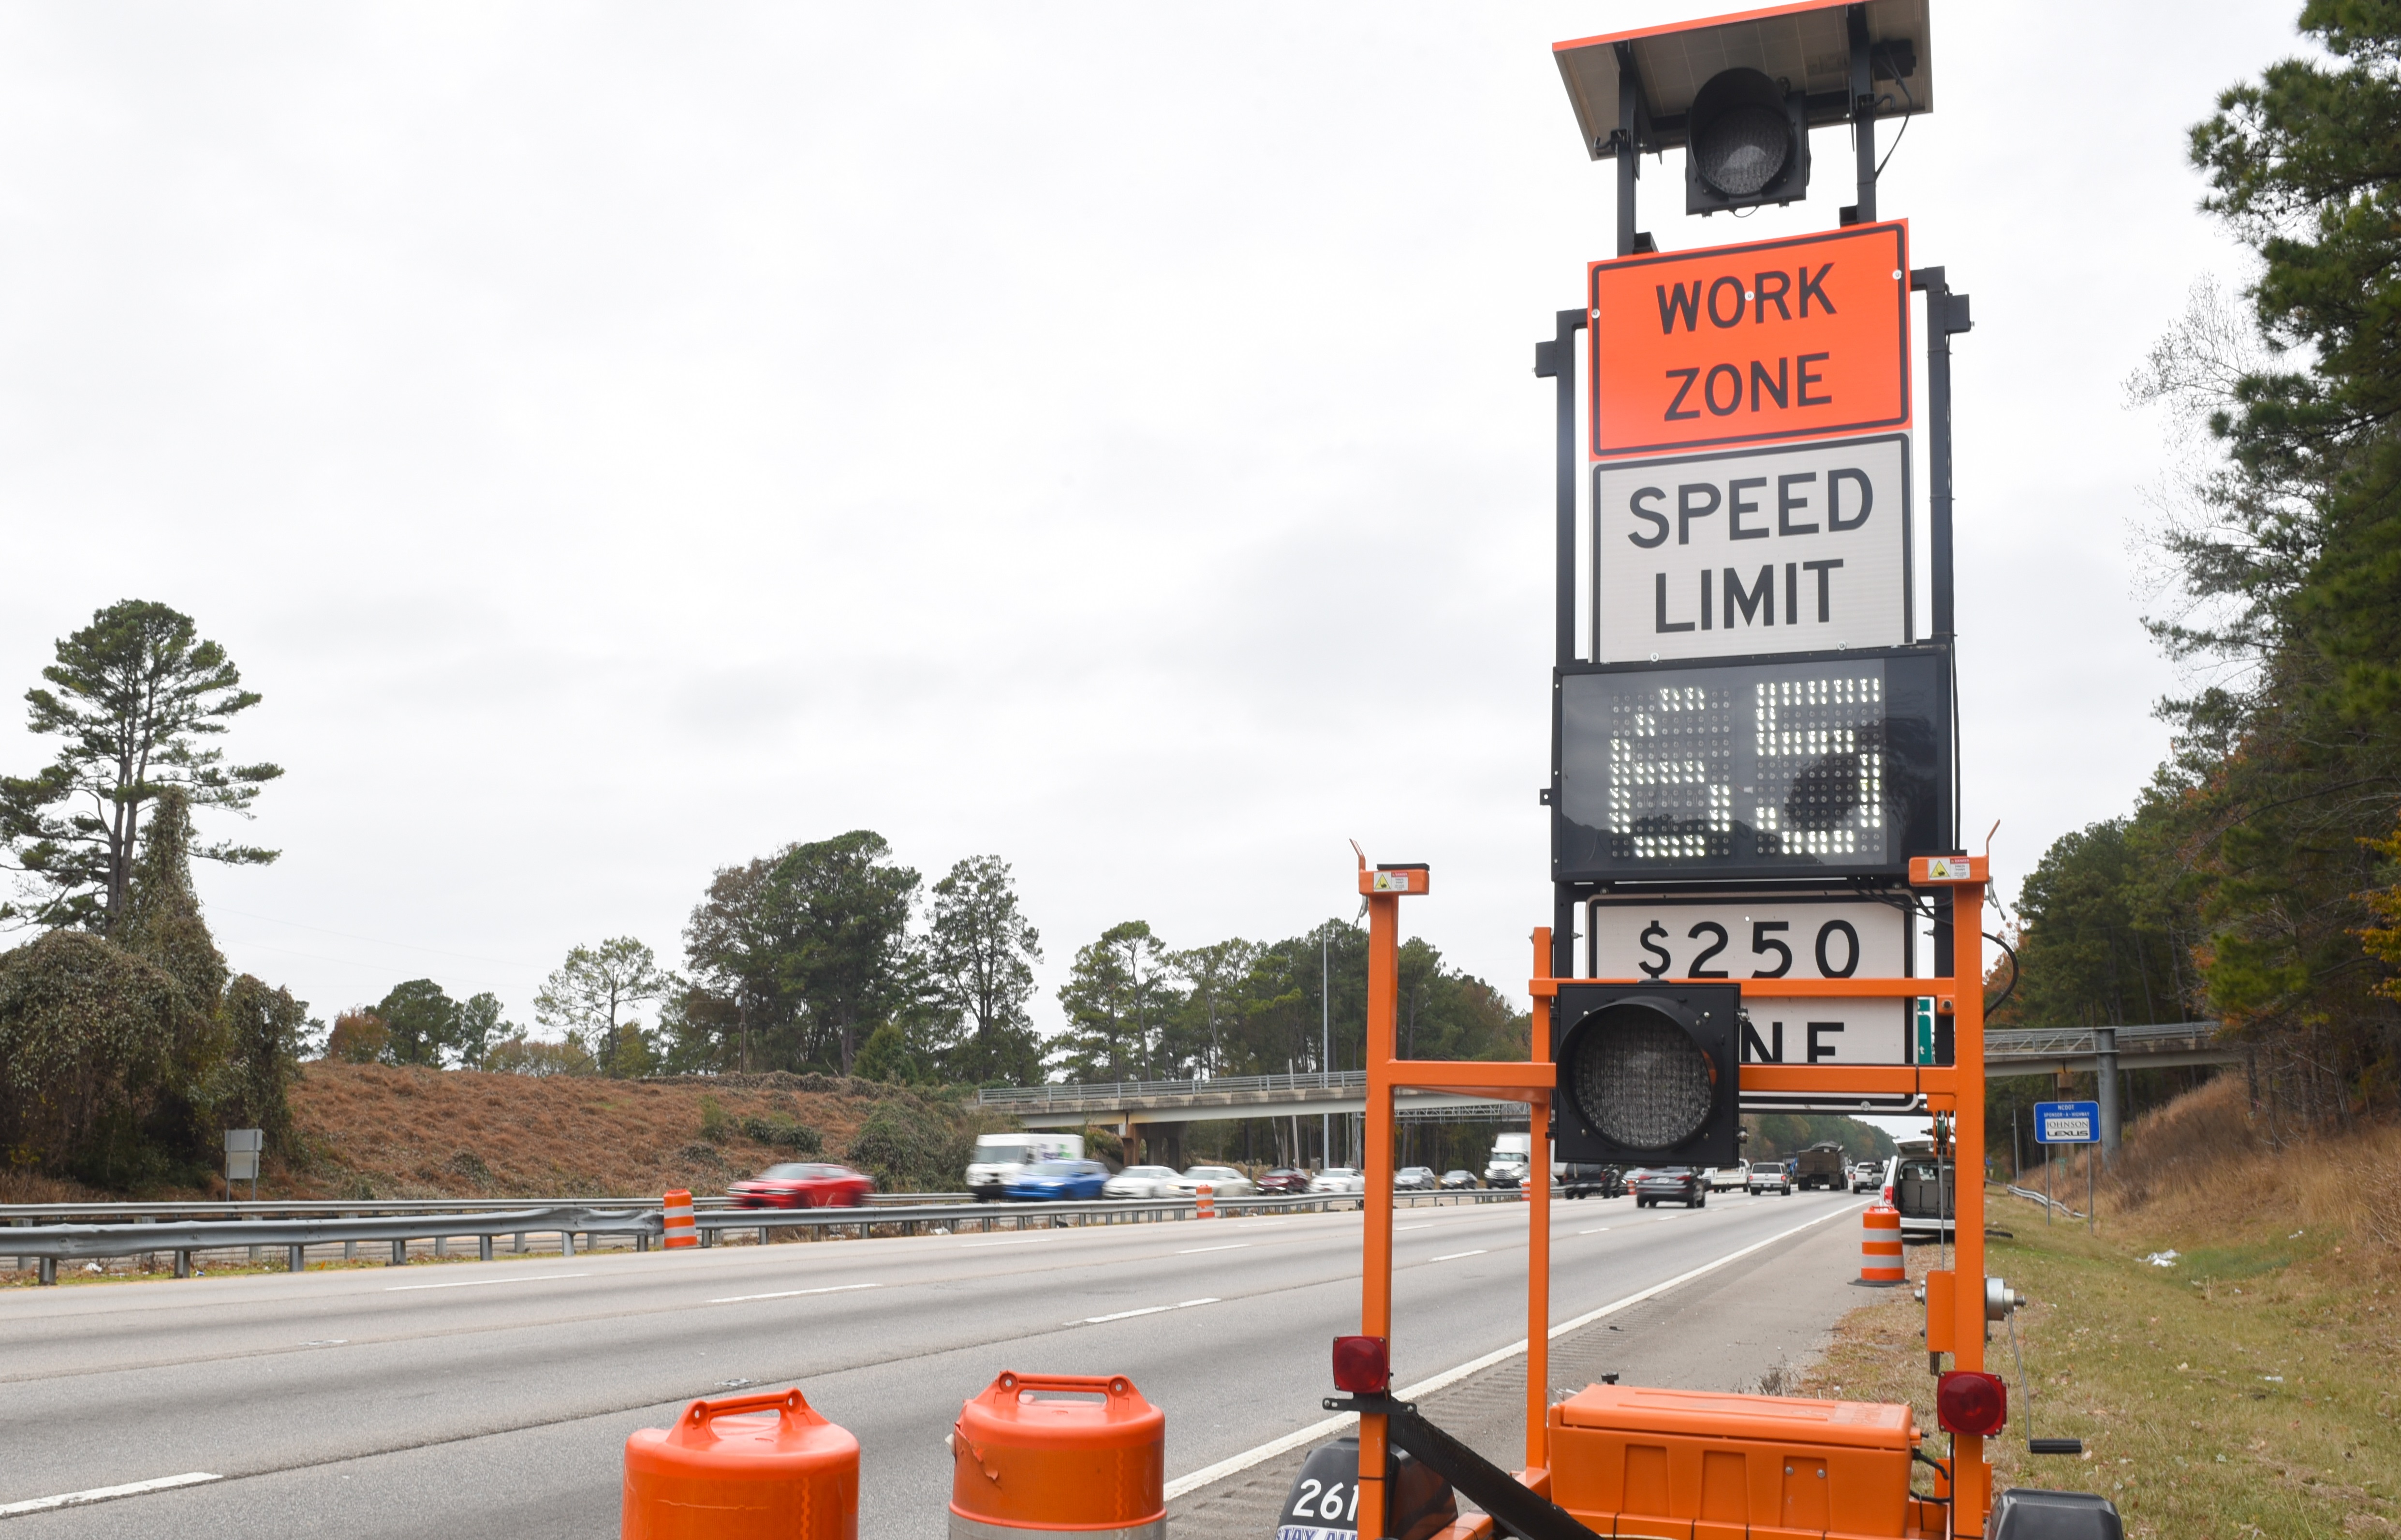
[49, 1244]
[298, 1207]
[2052, 1204]
[1008, 1215]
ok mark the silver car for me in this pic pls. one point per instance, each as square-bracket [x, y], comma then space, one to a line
[1223, 1181]
[1141, 1181]
[1339, 1178]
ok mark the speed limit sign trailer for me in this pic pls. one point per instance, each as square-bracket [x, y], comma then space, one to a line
[1754, 796]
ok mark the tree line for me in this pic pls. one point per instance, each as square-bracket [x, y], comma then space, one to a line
[829, 956]
[2256, 879]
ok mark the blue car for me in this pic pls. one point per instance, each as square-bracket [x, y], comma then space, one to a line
[1057, 1181]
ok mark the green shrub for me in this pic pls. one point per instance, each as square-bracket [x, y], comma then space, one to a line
[911, 1149]
[715, 1126]
[784, 1133]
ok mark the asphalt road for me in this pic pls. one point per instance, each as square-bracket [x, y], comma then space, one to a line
[494, 1399]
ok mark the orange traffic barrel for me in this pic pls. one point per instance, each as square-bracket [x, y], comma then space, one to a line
[1880, 1245]
[677, 1204]
[746, 1467]
[1042, 1453]
[1207, 1196]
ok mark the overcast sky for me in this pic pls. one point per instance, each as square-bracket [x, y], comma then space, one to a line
[620, 440]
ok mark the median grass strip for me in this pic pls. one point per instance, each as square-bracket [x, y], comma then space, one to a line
[2246, 1389]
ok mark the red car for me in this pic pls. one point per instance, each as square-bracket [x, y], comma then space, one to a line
[800, 1185]
[1285, 1179]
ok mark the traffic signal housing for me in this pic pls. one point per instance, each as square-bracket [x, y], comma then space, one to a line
[1747, 143]
[1647, 1073]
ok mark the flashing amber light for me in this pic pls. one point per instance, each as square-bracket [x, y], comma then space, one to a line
[1363, 1365]
[1971, 1402]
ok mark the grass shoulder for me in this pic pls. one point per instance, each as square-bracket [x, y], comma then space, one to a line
[2246, 1389]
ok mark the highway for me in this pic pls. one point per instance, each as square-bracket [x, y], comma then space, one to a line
[494, 1399]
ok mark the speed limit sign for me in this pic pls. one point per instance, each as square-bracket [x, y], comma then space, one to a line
[1777, 937]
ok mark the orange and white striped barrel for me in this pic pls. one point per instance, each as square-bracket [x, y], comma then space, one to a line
[1207, 1196]
[677, 1205]
[1880, 1245]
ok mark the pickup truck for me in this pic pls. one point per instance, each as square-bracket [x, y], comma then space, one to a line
[1725, 1178]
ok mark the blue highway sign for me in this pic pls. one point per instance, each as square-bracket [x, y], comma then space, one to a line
[2068, 1123]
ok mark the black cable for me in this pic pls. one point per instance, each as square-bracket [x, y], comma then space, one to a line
[1911, 98]
[2013, 974]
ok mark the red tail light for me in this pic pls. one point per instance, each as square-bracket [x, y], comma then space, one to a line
[1887, 1195]
[1363, 1365]
[1969, 1401]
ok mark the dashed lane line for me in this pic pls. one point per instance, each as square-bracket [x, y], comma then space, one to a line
[102, 1495]
[1153, 1310]
[481, 1283]
[793, 1293]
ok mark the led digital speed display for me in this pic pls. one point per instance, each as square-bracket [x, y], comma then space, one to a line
[1737, 769]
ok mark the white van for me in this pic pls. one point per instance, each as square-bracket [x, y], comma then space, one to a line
[998, 1156]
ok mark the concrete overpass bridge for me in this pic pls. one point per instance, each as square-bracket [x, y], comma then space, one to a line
[1127, 1104]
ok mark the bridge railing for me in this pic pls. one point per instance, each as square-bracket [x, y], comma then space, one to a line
[2020, 1042]
[2044, 1041]
[1059, 1098]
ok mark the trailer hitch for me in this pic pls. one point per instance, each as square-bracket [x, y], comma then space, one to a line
[1514, 1508]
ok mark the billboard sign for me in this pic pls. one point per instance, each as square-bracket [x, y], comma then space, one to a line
[1788, 549]
[1806, 337]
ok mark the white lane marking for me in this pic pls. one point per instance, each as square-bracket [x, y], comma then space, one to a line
[1315, 1431]
[1594, 1231]
[1455, 1256]
[1021, 1241]
[1153, 1310]
[792, 1293]
[1428, 1224]
[102, 1495]
[1195, 1251]
[482, 1283]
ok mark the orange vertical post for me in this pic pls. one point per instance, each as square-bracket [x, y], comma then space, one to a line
[1973, 1478]
[1538, 1229]
[1382, 891]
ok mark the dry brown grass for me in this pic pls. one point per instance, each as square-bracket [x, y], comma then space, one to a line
[2202, 1165]
[32, 1186]
[370, 1131]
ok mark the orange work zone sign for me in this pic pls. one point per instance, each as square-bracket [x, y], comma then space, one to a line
[1800, 338]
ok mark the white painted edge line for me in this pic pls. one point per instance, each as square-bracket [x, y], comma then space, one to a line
[792, 1293]
[1150, 1310]
[1195, 1251]
[482, 1283]
[102, 1495]
[1452, 1257]
[1020, 1241]
[1293, 1440]
[1593, 1231]
[1428, 1224]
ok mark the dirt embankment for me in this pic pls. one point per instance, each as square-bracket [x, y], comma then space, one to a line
[378, 1131]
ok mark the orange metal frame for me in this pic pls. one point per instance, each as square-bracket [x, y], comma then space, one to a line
[1956, 1089]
